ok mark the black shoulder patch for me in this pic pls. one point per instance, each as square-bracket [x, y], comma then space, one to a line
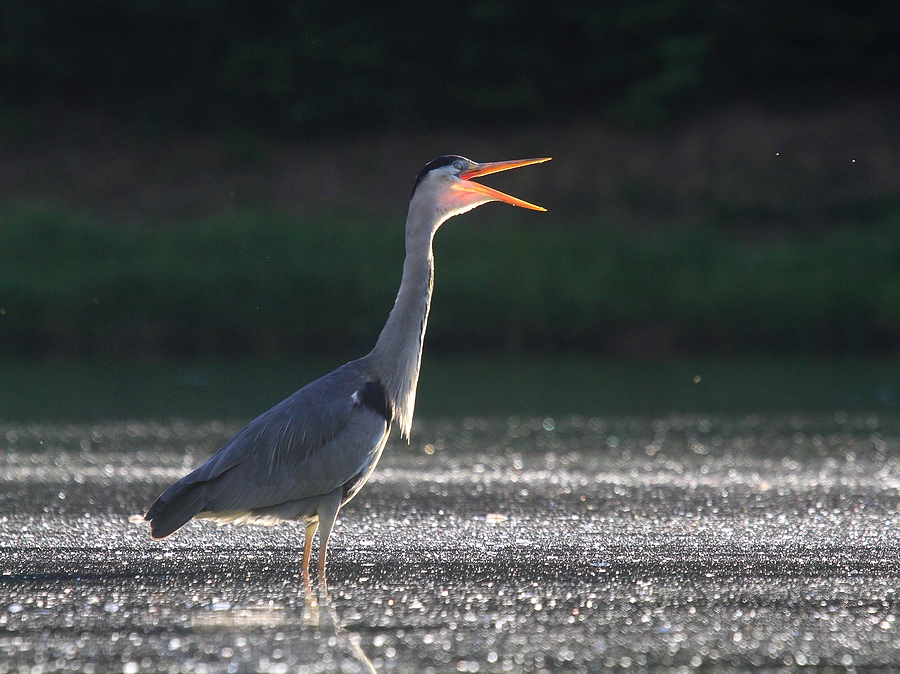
[445, 160]
[373, 397]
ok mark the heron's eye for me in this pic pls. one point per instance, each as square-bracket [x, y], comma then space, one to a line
[458, 165]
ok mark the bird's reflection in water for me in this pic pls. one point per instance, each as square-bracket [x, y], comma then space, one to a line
[314, 629]
[320, 613]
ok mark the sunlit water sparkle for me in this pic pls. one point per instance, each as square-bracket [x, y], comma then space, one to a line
[519, 544]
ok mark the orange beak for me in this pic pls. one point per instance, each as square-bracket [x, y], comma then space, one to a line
[496, 167]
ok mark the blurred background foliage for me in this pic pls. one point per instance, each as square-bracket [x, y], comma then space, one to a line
[213, 177]
[295, 66]
[274, 284]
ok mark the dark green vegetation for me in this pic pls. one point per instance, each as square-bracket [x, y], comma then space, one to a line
[276, 284]
[288, 65]
[725, 175]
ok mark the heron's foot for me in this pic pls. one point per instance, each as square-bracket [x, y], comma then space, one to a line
[307, 584]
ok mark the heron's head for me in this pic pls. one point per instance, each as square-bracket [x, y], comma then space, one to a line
[446, 185]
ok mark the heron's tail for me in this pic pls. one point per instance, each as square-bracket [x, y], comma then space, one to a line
[175, 508]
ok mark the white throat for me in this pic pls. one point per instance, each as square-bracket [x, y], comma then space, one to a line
[397, 356]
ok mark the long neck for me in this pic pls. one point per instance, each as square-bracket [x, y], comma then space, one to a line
[397, 355]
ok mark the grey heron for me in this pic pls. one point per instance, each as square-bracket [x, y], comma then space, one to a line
[306, 457]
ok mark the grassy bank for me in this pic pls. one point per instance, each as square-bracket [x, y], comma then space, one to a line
[266, 284]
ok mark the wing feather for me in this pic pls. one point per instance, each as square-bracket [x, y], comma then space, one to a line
[306, 446]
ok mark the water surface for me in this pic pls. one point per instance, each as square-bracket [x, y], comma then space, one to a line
[455, 386]
[523, 544]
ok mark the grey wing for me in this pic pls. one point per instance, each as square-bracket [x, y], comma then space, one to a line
[308, 445]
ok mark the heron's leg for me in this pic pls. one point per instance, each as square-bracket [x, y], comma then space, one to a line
[307, 550]
[327, 511]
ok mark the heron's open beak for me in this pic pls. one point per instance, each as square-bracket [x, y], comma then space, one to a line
[495, 167]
